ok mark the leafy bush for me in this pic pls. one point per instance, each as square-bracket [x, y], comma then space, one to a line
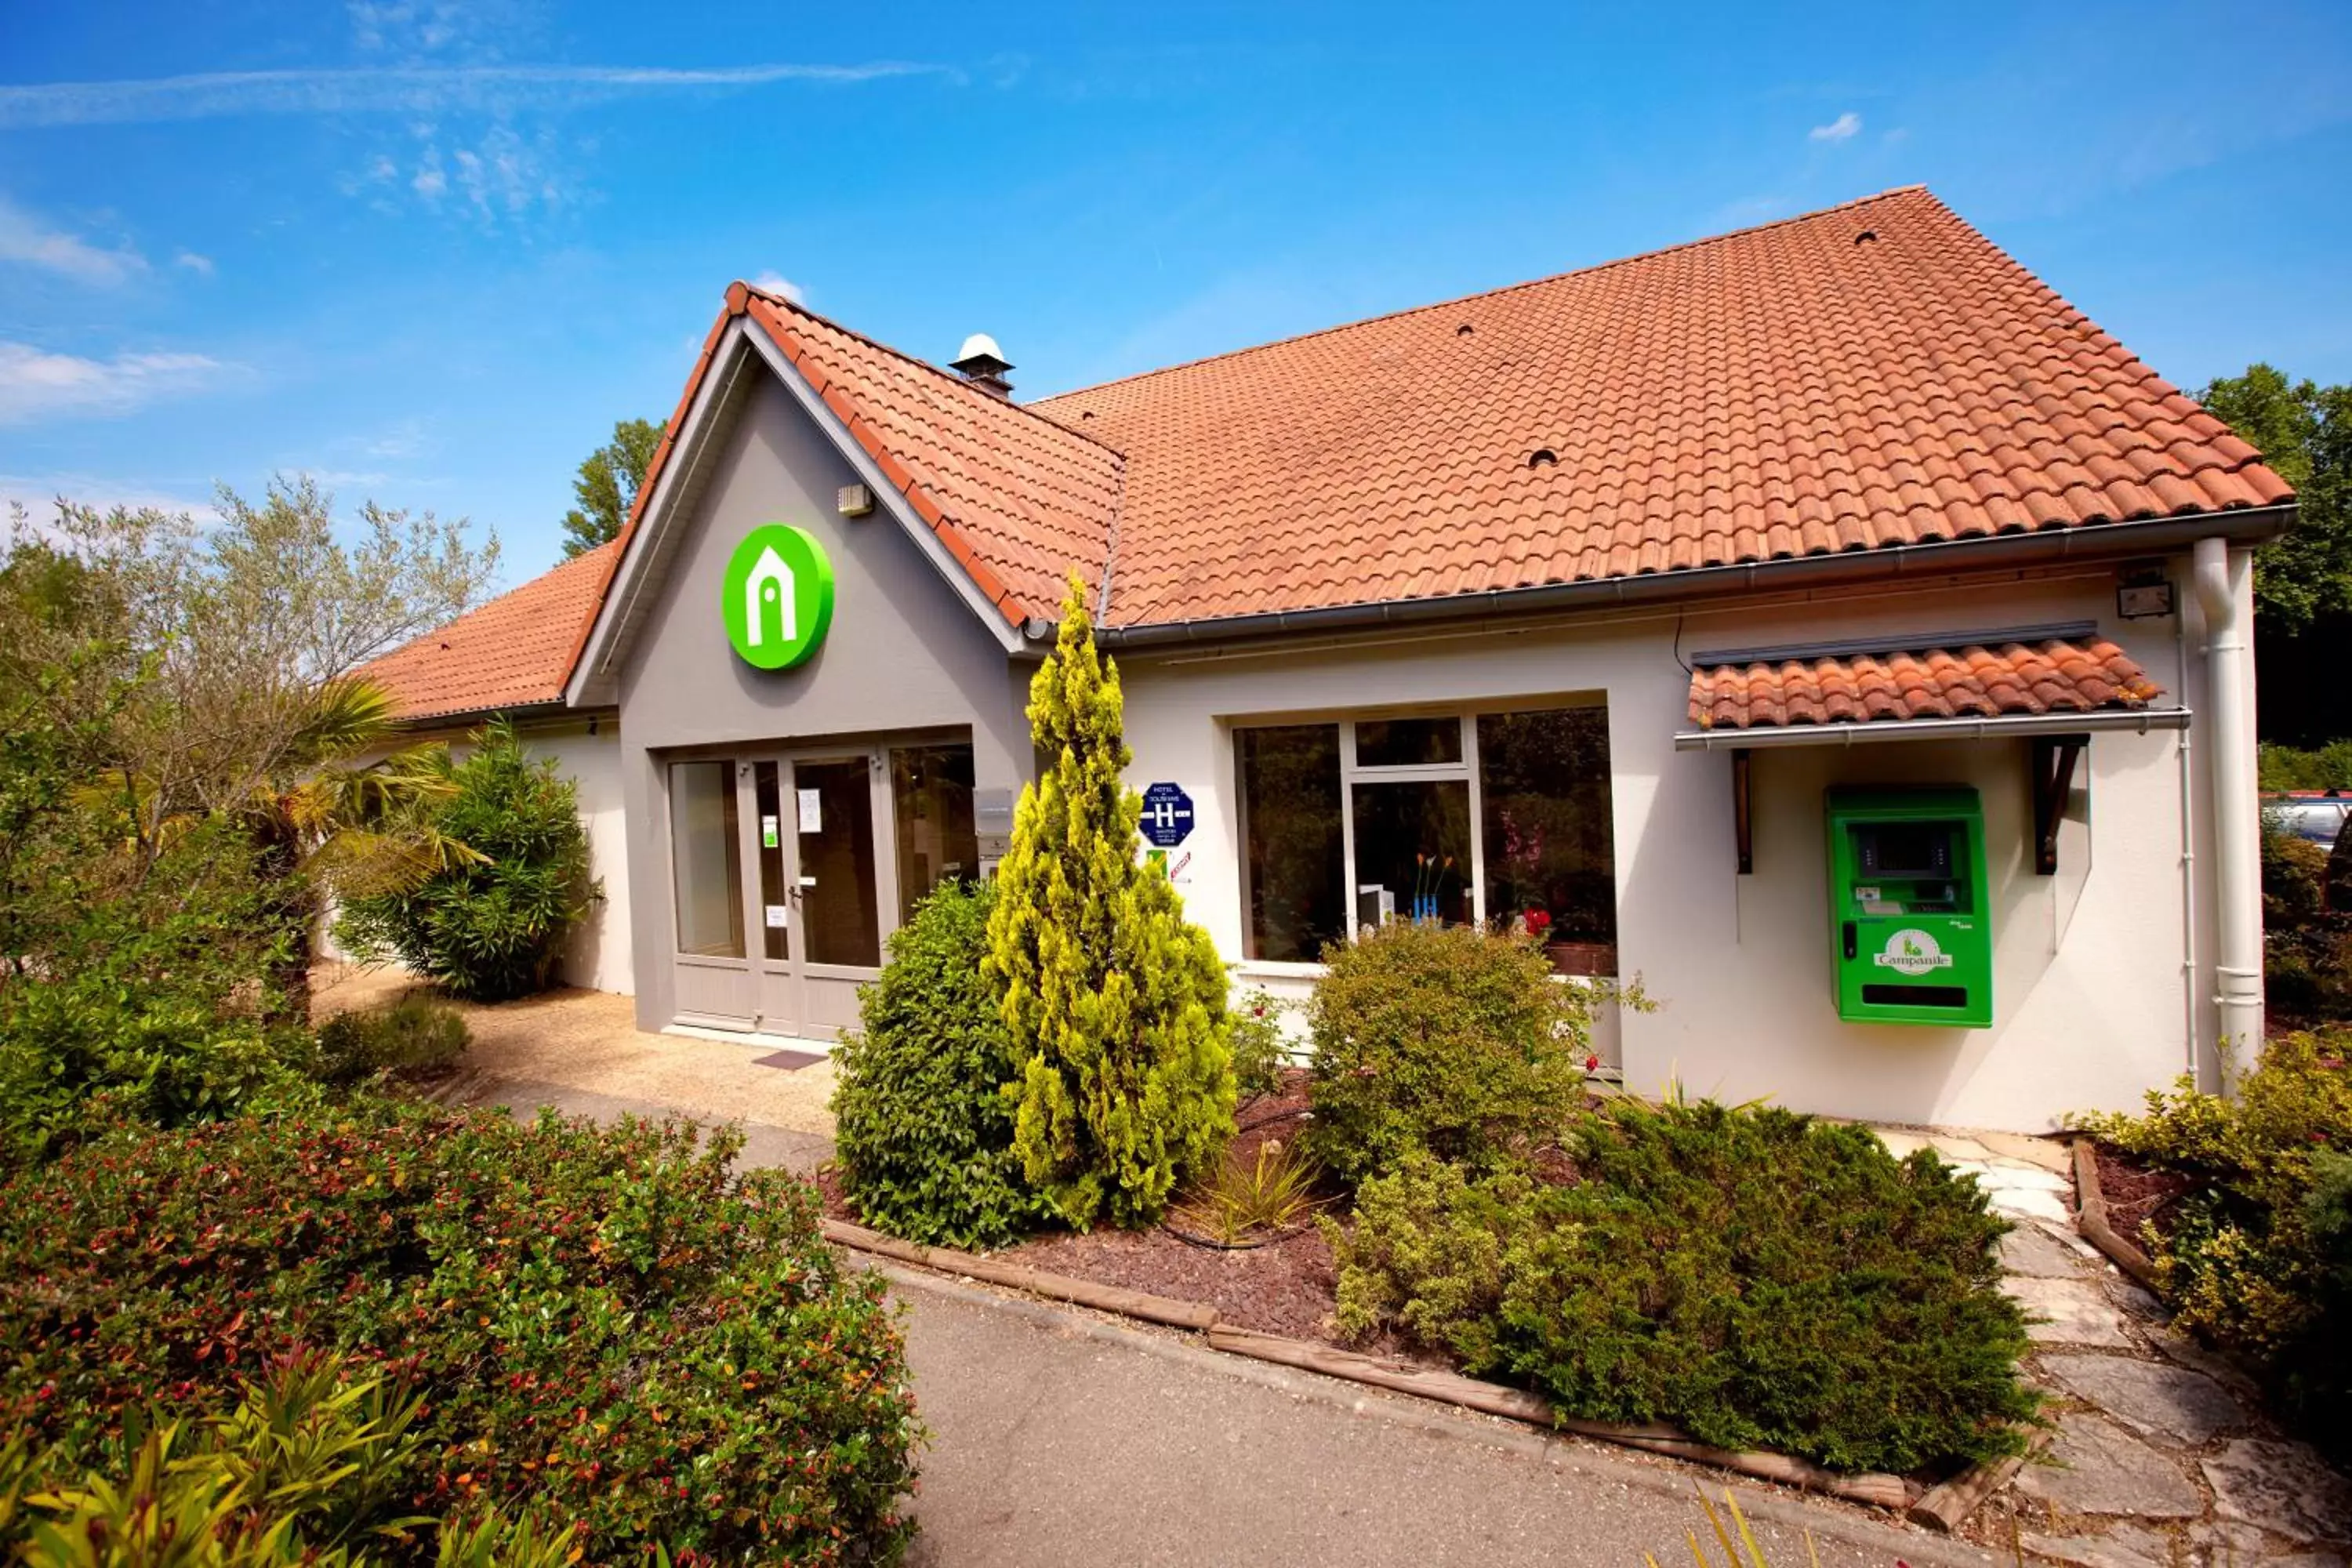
[1114, 1003]
[2291, 767]
[489, 926]
[2255, 1252]
[1259, 1055]
[600, 1320]
[308, 1466]
[1750, 1276]
[1448, 1040]
[415, 1034]
[923, 1128]
[132, 994]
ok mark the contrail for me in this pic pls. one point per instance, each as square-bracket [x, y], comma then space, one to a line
[404, 91]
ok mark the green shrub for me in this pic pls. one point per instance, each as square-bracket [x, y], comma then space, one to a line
[1448, 1040]
[1259, 1054]
[1751, 1277]
[2257, 1239]
[1114, 1003]
[492, 926]
[308, 1466]
[131, 995]
[415, 1034]
[922, 1125]
[600, 1322]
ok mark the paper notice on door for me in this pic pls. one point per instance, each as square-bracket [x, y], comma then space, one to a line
[776, 912]
[768, 831]
[811, 810]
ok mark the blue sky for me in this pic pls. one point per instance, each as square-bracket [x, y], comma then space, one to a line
[428, 250]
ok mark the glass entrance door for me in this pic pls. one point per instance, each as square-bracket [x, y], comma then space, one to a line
[816, 907]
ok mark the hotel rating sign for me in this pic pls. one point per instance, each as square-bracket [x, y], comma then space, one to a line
[1167, 815]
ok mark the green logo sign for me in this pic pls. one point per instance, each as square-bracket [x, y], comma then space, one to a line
[777, 597]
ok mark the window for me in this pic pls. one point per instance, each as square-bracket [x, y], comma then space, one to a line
[931, 798]
[1293, 861]
[1545, 820]
[834, 812]
[706, 860]
[1497, 817]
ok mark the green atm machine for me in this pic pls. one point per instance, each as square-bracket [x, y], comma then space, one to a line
[1909, 933]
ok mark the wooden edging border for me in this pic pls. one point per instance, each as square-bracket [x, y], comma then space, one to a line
[1939, 1508]
[2090, 1217]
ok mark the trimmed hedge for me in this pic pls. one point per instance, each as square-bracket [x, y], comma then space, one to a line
[1752, 1277]
[922, 1125]
[603, 1324]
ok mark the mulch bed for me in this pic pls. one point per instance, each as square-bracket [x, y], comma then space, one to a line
[2137, 1196]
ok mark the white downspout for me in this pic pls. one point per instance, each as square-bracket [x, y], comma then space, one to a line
[2221, 578]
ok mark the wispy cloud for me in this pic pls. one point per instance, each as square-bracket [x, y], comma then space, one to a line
[38, 494]
[38, 384]
[413, 89]
[776, 283]
[1844, 126]
[202, 266]
[26, 238]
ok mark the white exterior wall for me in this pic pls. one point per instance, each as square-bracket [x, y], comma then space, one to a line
[597, 954]
[2093, 1002]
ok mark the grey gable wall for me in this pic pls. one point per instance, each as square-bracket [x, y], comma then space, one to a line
[903, 652]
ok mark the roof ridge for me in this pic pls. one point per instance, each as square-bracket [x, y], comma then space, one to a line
[947, 376]
[1651, 255]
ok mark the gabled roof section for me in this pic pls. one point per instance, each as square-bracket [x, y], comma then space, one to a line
[1018, 499]
[514, 652]
[1876, 374]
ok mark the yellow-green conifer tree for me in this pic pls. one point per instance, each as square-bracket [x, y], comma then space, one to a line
[1115, 1002]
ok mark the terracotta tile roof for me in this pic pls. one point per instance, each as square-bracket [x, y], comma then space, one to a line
[1971, 681]
[1877, 373]
[514, 652]
[1018, 499]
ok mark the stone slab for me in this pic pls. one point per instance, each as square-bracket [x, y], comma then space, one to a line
[2090, 1551]
[2031, 1250]
[2076, 1312]
[2281, 1486]
[2050, 1153]
[2101, 1468]
[2153, 1399]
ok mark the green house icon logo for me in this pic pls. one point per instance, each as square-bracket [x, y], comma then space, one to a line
[776, 600]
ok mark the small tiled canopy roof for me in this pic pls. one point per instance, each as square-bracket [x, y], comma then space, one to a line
[514, 652]
[1966, 680]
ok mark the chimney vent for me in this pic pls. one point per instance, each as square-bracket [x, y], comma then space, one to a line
[982, 363]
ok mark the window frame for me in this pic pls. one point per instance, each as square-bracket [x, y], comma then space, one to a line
[1352, 773]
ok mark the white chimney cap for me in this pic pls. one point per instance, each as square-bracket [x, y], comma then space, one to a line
[977, 344]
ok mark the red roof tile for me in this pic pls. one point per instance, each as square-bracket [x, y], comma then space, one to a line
[1877, 373]
[1016, 498]
[1972, 681]
[514, 652]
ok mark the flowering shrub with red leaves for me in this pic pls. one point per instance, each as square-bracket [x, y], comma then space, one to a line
[602, 1322]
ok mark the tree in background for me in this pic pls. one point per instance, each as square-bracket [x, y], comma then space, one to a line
[1114, 1003]
[607, 486]
[2304, 431]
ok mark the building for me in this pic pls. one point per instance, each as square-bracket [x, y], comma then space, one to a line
[1580, 605]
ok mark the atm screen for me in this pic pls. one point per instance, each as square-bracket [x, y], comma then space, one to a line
[1918, 849]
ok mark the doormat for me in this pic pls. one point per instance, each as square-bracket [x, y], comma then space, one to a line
[787, 1060]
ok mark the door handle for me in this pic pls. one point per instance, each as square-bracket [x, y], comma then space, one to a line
[1852, 947]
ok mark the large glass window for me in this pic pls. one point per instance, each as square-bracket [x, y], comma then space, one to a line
[1545, 815]
[706, 860]
[1504, 820]
[1293, 848]
[931, 797]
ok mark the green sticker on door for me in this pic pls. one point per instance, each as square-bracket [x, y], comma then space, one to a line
[777, 597]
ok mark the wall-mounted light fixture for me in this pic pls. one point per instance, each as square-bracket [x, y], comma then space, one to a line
[852, 500]
[2143, 592]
